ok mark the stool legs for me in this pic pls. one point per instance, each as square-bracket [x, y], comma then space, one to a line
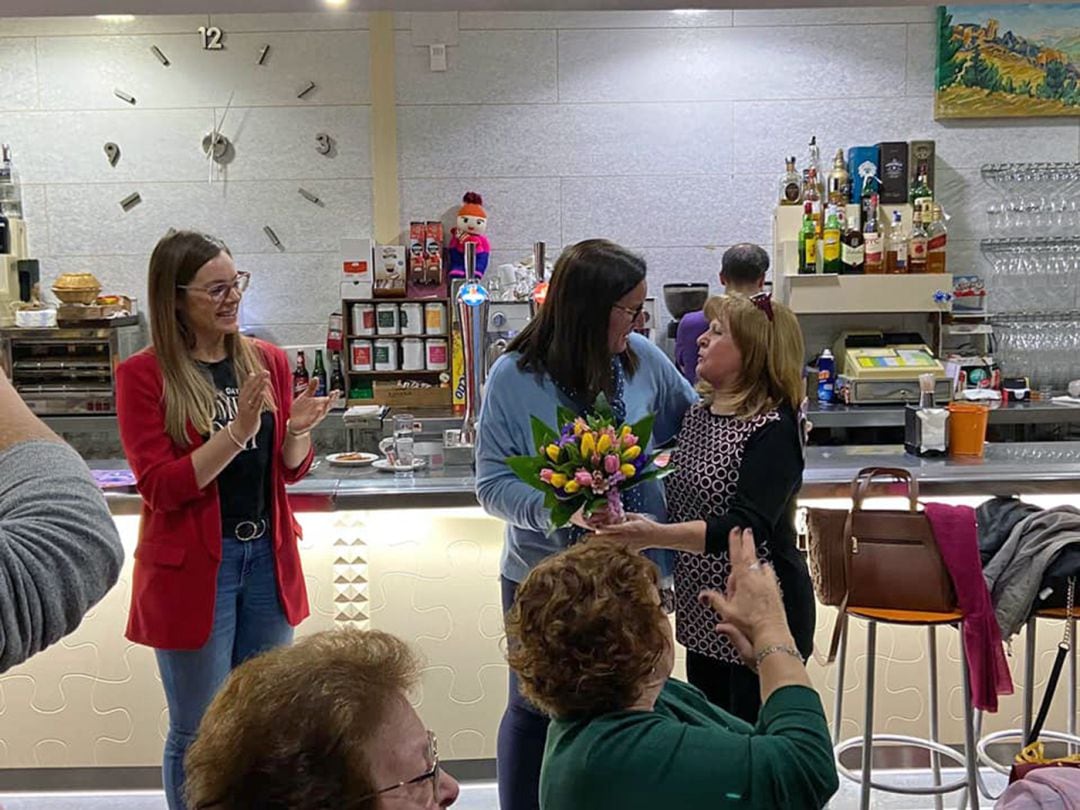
[868, 717]
[970, 754]
[935, 757]
[1029, 677]
[1072, 683]
[838, 698]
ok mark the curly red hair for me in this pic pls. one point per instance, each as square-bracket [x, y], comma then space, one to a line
[585, 631]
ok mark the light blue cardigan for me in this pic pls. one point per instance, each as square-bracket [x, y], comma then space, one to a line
[511, 397]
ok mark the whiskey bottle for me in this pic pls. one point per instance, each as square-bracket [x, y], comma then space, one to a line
[790, 185]
[831, 242]
[921, 193]
[838, 180]
[896, 247]
[937, 238]
[807, 243]
[852, 251]
[872, 241]
[917, 244]
[812, 194]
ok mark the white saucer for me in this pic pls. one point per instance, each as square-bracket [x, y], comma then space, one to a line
[384, 465]
[351, 459]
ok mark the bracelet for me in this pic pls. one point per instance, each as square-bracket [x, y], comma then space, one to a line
[775, 648]
[237, 442]
[294, 434]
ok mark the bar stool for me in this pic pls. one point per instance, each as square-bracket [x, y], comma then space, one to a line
[1021, 734]
[931, 621]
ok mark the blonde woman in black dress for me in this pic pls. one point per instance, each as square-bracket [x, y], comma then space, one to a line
[739, 463]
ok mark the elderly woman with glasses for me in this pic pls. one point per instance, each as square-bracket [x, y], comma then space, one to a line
[593, 648]
[212, 432]
[325, 723]
[581, 343]
[739, 463]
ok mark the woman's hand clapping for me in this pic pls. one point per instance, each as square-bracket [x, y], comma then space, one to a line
[253, 393]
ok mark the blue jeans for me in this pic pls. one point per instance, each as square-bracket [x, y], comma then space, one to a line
[248, 619]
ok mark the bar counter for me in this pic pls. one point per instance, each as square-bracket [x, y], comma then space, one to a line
[1007, 469]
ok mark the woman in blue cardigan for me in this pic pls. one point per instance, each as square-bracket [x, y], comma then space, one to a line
[581, 343]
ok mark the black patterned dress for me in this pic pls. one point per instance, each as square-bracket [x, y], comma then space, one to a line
[738, 472]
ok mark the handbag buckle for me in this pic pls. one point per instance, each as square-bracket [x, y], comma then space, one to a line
[854, 544]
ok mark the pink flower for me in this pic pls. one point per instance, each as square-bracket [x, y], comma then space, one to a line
[584, 477]
[629, 440]
[600, 484]
[611, 464]
[545, 475]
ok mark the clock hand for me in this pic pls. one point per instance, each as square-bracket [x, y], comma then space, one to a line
[215, 132]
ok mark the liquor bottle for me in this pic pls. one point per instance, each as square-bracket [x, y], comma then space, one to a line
[896, 247]
[790, 185]
[866, 195]
[10, 186]
[921, 193]
[812, 194]
[5, 234]
[872, 242]
[838, 180]
[807, 242]
[300, 376]
[917, 243]
[937, 238]
[320, 374]
[852, 250]
[831, 242]
[813, 157]
[337, 379]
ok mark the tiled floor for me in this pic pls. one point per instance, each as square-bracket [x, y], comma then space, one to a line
[481, 796]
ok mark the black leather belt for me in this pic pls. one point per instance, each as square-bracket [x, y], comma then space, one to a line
[245, 530]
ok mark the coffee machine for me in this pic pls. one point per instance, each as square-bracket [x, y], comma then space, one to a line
[680, 299]
[505, 320]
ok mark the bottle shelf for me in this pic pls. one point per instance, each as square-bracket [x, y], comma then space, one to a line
[397, 336]
[827, 294]
[400, 373]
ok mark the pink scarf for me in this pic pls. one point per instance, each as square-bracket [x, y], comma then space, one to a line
[988, 672]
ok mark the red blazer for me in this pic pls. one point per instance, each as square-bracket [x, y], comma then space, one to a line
[179, 549]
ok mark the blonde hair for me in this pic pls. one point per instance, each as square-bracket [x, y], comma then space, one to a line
[772, 355]
[189, 396]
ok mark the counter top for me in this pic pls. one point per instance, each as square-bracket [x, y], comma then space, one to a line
[877, 416]
[1007, 469]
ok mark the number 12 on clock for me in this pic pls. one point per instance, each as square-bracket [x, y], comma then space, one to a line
[211, 37]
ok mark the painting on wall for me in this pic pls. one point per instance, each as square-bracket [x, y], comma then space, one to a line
[1007, 61]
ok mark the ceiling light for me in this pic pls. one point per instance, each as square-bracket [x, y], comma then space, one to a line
[336, 3]
[115, 18]
[689, 11]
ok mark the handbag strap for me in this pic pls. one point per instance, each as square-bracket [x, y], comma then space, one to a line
[866, 476]
[1055, 673]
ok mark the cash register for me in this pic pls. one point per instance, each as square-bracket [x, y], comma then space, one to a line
[883, 367]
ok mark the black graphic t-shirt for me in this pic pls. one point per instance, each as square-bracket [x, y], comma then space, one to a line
[244, 485]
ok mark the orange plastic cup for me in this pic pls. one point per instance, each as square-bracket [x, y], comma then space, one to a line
[967, 429]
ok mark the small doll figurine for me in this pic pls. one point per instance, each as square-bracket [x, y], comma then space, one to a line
[471, 225]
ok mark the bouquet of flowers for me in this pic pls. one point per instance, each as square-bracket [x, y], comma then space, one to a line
[588, 462]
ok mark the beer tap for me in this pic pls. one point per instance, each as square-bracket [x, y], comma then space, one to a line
[472, 307]
[539, 292]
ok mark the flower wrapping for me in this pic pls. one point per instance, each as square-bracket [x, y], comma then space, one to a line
[588, 462]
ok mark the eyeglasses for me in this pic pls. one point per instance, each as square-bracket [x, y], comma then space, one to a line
[431, 774]
[634, 313]
[218, 292]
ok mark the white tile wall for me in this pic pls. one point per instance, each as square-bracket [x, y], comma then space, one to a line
[669, 130]
[58, 110]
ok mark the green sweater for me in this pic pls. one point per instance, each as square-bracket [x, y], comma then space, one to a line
[688, 753]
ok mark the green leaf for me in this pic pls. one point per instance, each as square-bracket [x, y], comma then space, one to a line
[573, 453]
[643, 430]
[551, 500]
[542, 434]
[564, 416]
[527, 468]
[654, 474]
[602, 408]
[563, 511]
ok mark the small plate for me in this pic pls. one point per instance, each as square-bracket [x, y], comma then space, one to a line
[384, 465]
[351, 459]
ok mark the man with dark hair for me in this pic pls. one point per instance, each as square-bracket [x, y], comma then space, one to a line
[742, 272]
[60, 552]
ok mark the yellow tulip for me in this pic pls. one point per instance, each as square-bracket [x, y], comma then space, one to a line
[572, 487]
[553, 452]
[624, 432]
[630, 453]
[558, 480]
[604, 444]
[588, 444]
[628, 470]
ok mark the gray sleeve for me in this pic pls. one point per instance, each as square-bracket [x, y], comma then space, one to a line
[60, 552]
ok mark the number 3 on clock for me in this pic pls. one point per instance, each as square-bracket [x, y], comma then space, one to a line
[211, 38]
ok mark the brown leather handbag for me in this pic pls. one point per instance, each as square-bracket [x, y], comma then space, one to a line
[878, 558]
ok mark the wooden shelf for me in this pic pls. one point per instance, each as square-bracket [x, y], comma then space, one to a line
[399, 336]
[394, 300]
[828, 294]
[396, 374]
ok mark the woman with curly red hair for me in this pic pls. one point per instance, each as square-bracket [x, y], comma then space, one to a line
[593, 648]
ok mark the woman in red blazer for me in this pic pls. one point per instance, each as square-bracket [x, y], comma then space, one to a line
[213, 435]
